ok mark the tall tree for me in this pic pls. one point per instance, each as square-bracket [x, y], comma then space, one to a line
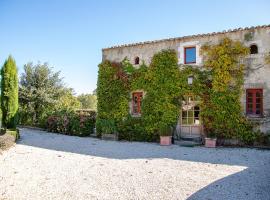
[9, 93]
[88, 101]
[40, 90]
[68, 100]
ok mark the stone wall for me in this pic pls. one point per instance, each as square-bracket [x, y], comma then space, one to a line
[257, 73]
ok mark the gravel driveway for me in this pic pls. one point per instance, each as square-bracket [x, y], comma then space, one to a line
[50, 166]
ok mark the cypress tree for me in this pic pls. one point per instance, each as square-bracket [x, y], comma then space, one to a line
[9, 93]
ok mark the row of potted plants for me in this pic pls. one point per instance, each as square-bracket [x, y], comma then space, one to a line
[166, 138]
[108, 129]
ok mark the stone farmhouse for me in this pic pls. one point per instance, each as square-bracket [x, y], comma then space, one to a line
[255, 99]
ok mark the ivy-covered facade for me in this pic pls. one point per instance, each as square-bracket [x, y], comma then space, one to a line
[215, 83]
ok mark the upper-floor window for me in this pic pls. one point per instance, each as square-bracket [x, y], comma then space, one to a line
[253, 49]
[136, 102]
[137, 61]
[254, 106]
[190, 55]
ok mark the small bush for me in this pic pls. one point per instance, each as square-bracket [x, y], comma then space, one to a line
[79, 123]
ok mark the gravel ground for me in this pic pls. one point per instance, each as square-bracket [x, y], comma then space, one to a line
[50, 166]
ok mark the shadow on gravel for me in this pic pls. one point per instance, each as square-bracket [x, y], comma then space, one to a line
[138, 150]
[249, 184]
[256, 176]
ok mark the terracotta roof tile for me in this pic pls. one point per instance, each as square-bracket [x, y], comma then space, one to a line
[190, 36]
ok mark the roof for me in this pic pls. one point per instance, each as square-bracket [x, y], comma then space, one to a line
[189, 36]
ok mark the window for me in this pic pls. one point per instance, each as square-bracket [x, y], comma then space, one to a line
[190, 111]
[253, 49]
[137, 61]
[136, 102]
[254, 102]
[190, 55]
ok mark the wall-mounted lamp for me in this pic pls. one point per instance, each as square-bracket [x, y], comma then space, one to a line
[190, 80]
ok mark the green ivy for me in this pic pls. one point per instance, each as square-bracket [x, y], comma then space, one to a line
[218, 86]
[223, 115]
[160, 107]
[159, 81]
[112, 92]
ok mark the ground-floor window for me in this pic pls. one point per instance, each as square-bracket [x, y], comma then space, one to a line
[136, 102]
[190, 111]
[254, 102]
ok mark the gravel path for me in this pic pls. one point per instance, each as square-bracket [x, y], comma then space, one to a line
[50, 166]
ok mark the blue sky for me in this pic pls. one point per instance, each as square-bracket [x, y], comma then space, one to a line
[69, 34]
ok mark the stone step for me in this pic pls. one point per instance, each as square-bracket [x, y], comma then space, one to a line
[187, 143]
[192, 138]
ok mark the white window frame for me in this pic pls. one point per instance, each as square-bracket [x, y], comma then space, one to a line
[181, 52]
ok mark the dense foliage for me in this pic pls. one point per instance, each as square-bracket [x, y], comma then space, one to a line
[218, 87]
[70, 122]
[112, 93]
[161, 103]
[46, 102]
[40, 88]
[9, 93]
[223, 115]
[67, 100]
[159, 81]
[106, 126]
[88, 101]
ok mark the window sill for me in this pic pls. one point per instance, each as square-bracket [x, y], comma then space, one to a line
[250, 116]
[191, 63]
[136, 115]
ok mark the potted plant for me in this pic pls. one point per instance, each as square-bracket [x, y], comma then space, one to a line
[211, 140]
[108, 129]
[165, 133]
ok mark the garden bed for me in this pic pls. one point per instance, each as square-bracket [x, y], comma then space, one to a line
[8, 138]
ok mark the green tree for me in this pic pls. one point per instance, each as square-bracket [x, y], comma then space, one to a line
[9, 93]
[40, 89]
[88, 101]
[67, 100]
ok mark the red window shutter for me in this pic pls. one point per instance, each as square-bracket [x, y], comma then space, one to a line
[136, 102]
[254, 102]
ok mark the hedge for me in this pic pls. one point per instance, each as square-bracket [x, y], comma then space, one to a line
[78, 123]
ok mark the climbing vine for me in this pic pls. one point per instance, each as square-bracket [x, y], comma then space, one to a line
[223, 116]
[219, 86]
[160, 106]
[112, 93]
[159, 81]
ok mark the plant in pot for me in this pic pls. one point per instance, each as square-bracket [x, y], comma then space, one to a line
[165, 133]
[211, 140]
[108, 129]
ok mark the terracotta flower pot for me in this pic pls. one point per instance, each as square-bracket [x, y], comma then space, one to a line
[165, 140]
[109, 137]
[210, 142]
